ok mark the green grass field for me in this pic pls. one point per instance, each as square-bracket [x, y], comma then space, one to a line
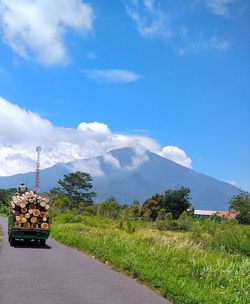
[209, 263]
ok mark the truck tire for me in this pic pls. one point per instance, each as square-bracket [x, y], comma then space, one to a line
[12, 241]
[42, 242]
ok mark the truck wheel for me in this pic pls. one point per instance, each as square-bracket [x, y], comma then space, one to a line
[42, 242]
[12, 241]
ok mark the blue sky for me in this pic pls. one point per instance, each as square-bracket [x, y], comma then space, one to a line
[174, 71]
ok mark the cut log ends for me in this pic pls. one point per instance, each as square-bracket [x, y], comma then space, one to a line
[30, 210]
[33, 220]
[45, 225]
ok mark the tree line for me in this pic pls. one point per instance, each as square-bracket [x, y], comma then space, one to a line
[75, 194]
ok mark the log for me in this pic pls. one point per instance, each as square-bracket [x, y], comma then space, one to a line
[43, 214]
[18, 218]
[34, 225]
[24, 210]
[42, 204]
[27, 215]
[22, 205]
[45, 226]
[18, 224]
[33, 220]
[36, 212]
[26, 225]
[46, 207]
[39, 221]
[23, 220]
[32, 206]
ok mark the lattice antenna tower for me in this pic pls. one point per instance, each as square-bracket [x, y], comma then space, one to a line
[38, 150]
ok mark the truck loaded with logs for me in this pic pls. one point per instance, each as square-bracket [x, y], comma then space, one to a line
[28, 218]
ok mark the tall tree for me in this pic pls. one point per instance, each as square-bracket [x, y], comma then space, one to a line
[76, 187]
[176, 201]
[241, 204]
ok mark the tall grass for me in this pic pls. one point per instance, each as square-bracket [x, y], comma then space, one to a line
[176, 263]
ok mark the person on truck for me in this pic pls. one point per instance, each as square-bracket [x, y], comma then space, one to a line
[22, 188]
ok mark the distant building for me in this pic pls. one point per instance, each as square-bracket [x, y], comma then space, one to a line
[203, 213]
[230, 215]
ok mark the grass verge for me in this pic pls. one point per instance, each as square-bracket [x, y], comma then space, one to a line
[181, 268]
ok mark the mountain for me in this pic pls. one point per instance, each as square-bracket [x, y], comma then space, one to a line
[132, 174]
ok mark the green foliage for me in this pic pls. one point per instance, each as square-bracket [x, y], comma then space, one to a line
[183, 268]
[161, 215]
[62, 204]
[5, 197]
[76, 187]
[182, 224]
[151, 207]
[241, 204]
[135, 210]
[174, 201]
[109, 208]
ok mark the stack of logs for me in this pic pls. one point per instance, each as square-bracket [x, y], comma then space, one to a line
[30, 210]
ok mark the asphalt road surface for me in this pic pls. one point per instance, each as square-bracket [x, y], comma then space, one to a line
[60, 275]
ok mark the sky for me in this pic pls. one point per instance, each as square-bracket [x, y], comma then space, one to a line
[81, 78]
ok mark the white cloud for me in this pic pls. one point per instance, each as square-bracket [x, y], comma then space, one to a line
[109, 159]
[112, 75]
[220, 7]
[140, 157]
[21, 131]
[91, 166]
[177, 155]
[150, 21]
[213, 43]
[232, 182]
[35, 28]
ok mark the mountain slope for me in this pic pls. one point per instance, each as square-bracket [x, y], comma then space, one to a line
[131, 174]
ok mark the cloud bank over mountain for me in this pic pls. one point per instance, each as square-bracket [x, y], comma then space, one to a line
[22, 130]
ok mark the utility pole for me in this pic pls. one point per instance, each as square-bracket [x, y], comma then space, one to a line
[38, 150]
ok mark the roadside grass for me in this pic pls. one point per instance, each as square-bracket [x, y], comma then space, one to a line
[184, 268]
[3, 215]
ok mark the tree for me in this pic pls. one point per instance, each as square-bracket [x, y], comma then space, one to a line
[76, 187]
[153, 205]
[135, 210]
[5, 197]
[110, 207]
[61, 204]
[241, 204]
[161, 216]
[176, 201]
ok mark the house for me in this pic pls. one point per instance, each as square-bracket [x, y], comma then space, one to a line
[203, 213]
[230, 215]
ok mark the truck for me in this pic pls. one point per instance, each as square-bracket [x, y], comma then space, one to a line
[28, 217]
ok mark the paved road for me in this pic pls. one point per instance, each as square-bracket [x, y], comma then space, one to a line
[57, 274]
